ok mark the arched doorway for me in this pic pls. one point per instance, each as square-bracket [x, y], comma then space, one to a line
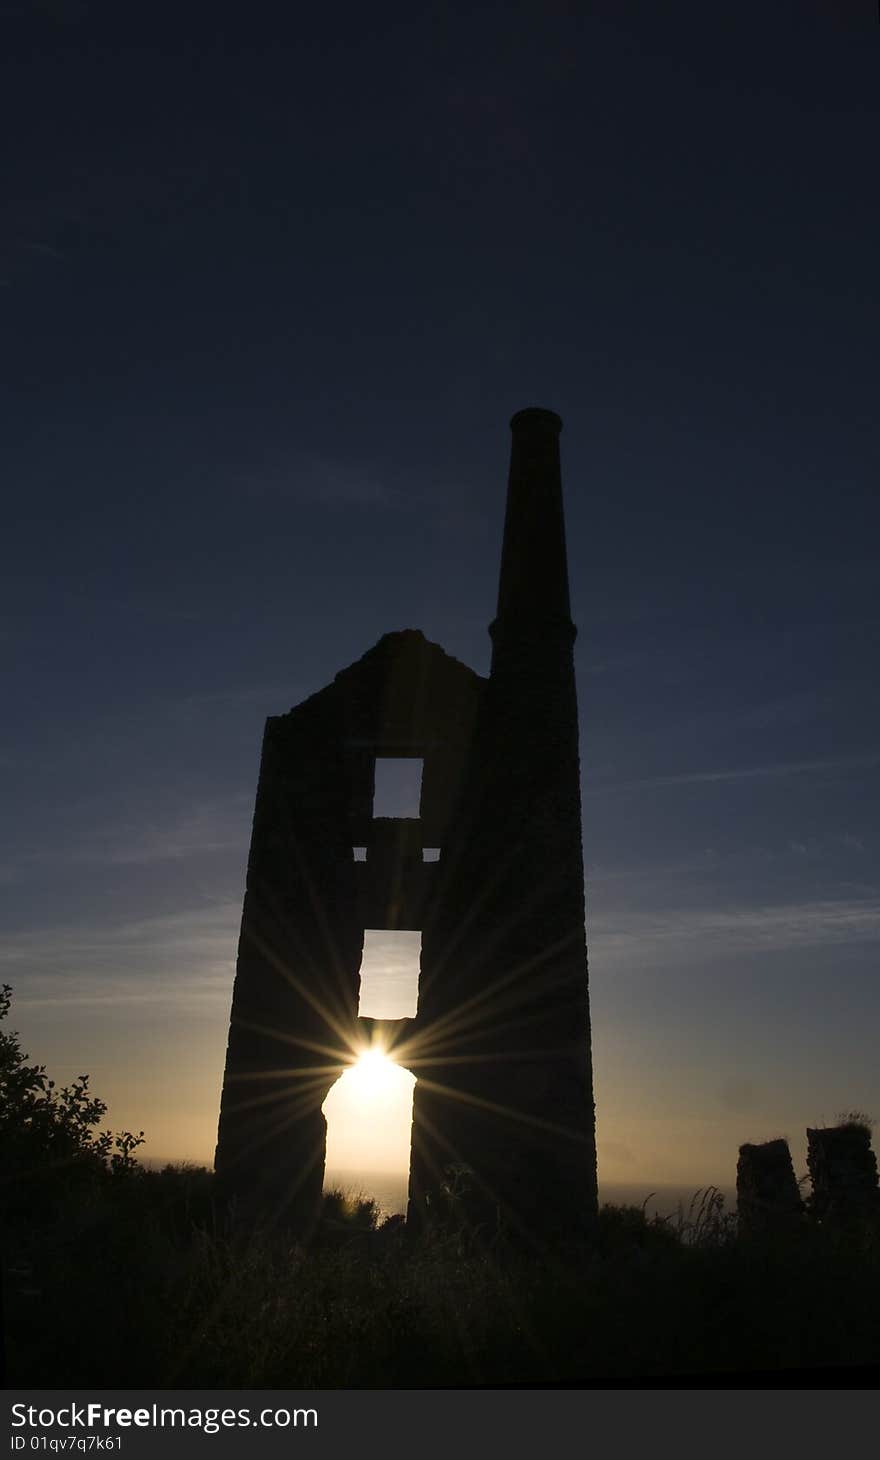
[369, 1124]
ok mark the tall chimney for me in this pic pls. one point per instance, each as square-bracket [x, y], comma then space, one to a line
[505, 967]
[533, 586]
[533, 778]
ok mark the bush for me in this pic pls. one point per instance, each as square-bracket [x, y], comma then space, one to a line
[855, 1120]
[50, 1139]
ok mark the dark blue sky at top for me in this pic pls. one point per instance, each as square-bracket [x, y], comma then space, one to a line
[274, 282]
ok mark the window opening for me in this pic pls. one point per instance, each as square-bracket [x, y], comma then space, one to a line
[398, 786]
[390, 974]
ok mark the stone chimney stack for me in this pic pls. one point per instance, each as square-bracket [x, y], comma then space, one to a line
[533, 587]
[517, 1110]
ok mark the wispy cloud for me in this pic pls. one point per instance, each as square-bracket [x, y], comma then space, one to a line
[84, 834]
[783, 711]
[205, 829]
[186, 958]
[128, 728]
[666, 872]
[320, 481]
[45, 250]
[830, 766]
[638, 939]
[19, 256]
[179, 960]
[786, 710]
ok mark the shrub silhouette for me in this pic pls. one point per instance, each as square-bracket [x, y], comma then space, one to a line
[346, 1214]
[855, 1120]
[627, 1228]
[50, 1139]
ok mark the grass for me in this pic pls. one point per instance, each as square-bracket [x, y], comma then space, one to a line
[143, 1283]
[855, 1120]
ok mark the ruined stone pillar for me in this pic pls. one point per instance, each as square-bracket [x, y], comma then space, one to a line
[294, 1006]
[768, 1201]
[843, 1170]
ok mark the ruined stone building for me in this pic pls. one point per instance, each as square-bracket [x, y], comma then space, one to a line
[500, 1040]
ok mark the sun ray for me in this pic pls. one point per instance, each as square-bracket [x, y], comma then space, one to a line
[478, 1006]
[509, 1111]
[341, 1056]
[339, 1024]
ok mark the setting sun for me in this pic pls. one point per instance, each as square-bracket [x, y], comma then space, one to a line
[375, 1077]
[369, 1115]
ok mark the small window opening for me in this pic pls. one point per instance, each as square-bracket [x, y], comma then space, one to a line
[390, 974]
[430, 854]
[360, 854]
[398, 786]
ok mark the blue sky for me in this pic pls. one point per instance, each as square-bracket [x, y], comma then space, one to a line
[271, 295]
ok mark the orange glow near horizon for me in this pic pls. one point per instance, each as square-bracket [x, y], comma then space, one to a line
[156, 1057]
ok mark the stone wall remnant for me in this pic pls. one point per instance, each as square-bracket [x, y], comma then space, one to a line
[768, 1200]
[843, 1169]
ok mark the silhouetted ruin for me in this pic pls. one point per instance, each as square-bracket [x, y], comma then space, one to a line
[843, 1170]
[843, 1175]
[767, 1196]
[500, 1041]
